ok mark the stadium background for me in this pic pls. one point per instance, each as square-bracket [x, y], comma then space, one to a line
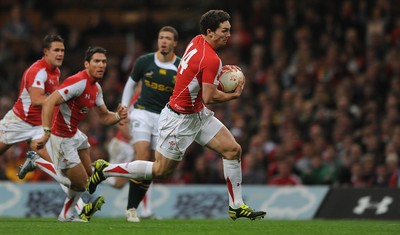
[321, 103]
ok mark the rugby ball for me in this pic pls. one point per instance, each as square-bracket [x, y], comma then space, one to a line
[229, 78]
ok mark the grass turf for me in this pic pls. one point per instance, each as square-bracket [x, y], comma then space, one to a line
[118, 226]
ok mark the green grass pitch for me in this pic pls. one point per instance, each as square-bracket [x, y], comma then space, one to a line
[118, 226]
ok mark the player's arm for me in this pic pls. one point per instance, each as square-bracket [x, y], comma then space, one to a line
[124, 129]
[133, 81]
[36, 87]
[128, 92]
[211, 95]
[48, 106]
[37, 95]
[110, 118]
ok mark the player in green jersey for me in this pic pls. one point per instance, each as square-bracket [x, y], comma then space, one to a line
[157, 72]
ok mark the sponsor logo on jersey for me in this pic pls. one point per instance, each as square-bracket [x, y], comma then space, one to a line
[84, 110]
[149, 74]
[162, 72]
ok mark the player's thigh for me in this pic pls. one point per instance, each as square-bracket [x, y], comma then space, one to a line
[78, 177]
[225, 144]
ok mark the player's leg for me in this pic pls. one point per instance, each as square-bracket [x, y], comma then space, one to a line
[4, 147]
[92, 202]
[72, 157]
[225, 144]
[138, 169]
[40, 158]
[138, 188]
[144, 132]
[167, 156]
[77, 175]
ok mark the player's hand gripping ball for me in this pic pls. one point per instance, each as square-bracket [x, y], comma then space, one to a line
[229, 78]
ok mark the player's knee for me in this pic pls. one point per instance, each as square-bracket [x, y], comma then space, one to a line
[162, 173]
[79, 186]
[233, 153]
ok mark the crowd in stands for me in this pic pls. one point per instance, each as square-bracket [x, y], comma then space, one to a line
[322, 96]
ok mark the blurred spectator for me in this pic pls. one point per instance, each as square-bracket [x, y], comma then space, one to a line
[253, 171]
[381, 177]
[317, 174]
[98, 25]
[285, 175]
[392, 164]
[17, 27]
[357, 180]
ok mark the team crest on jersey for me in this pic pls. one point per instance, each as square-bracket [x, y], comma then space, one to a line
[149, 74]
[162, 72]
[172, 145]
[84, 110]
[38, 83]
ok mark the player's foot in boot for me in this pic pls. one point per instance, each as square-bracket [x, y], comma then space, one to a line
[90, 208]
[245, 212]
[97, 176]
[29, 164]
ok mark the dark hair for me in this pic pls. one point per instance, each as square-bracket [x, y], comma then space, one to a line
[171, 30]
[92, 50]
[212, 19]
[48, 39]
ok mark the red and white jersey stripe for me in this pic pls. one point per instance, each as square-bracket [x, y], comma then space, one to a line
[200, 64]
[81, 93]
[41, 75]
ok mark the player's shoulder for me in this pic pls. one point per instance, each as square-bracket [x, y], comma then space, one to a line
[146, 57]
[36, 67]
[79, 76]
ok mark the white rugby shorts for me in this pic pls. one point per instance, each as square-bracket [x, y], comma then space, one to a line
[178, 131]
[14, 130]
[144, 126]
[64, 151]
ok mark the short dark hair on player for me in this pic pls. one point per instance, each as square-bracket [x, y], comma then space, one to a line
[92, 50]
[171, 30]
[212, 19]
[48, 39]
